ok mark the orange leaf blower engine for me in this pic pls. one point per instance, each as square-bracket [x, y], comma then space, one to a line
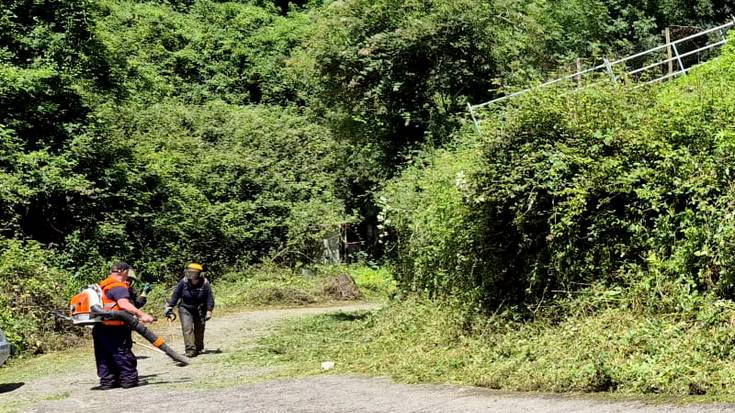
[80, 308]
[86, 308]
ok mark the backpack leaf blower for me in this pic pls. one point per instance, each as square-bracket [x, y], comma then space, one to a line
[86, 309]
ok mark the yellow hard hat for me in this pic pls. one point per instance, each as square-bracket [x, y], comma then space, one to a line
[195, 266]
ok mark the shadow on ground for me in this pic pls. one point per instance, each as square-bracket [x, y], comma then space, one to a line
[8, 387]
[342, 316]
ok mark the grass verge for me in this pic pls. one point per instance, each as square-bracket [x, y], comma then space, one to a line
[613, 351]
[273, 286]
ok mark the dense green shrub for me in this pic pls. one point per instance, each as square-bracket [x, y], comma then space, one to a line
[424, 210]
[31, 291]
[217, 183]
[577, 188]
[82, 171]
[597, 28]
[391, 75]
[212, 50]
[399, 70]
[53, 68]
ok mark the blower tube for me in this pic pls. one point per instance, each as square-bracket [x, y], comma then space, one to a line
[144, 331]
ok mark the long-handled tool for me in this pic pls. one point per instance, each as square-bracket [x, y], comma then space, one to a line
[86, 308]
[171, 328]
[139, 328]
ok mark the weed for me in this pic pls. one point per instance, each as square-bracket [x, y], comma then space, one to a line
[610, 351]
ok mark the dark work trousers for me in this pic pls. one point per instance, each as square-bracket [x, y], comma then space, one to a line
[192, 325]
[116, 364]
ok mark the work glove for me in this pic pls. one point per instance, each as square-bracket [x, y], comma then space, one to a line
[208, 316]
[147, 287]
[169, 312]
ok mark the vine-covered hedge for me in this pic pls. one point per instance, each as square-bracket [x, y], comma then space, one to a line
[220, 184]
[599, 185]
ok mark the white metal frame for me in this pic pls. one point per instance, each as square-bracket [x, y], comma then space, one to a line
[609, 66]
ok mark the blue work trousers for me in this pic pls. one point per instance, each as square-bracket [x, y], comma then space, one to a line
[113, 353]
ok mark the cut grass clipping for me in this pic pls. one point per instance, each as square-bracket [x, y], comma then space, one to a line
[612, 350]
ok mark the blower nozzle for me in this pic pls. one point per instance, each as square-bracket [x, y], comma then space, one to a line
[144, 331]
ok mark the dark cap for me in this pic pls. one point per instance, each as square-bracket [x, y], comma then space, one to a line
[120, 267]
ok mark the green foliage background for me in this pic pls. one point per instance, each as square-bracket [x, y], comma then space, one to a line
[229, 132]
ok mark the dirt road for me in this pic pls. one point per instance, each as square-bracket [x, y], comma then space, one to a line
[217, 382]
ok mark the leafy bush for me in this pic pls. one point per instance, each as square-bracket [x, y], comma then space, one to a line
[31, 291]
[231, 51]
[397, 71]
[425, 216]
[219, 184]
[391, 75]
[83, 171]
[575, 188]
[53, 67]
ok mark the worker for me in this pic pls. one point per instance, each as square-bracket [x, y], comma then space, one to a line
[197, 303]
[113, 342]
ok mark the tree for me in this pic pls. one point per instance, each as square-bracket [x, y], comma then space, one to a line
[52, 68]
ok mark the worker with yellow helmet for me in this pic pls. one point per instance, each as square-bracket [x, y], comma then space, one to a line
[196, 303]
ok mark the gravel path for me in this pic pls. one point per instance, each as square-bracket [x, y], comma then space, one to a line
[181, 389]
